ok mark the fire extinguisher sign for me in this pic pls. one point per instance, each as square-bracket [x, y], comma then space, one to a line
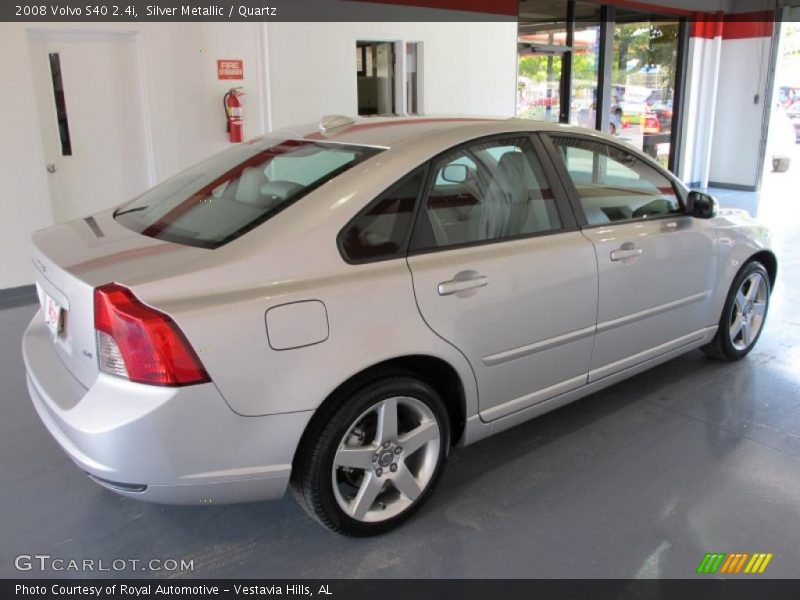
[230, 69]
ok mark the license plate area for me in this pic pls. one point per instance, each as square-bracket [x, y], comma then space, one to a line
[54, 315]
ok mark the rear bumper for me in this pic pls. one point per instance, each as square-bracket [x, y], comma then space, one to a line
[168, 445]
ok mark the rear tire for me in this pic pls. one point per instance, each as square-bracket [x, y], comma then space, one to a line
[369, 463]
[743, 315]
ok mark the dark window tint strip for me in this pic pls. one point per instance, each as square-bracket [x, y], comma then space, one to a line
[61, 105]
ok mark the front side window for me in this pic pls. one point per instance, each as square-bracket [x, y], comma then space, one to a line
[229, 194]
[486, 191]
[615, 185]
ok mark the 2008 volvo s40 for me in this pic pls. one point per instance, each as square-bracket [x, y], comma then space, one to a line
[332, 308]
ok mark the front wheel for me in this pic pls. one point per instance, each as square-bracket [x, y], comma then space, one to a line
[365, 468]
[744, 314]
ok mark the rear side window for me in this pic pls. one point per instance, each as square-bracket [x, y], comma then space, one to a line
[381, 230]
[231, 193]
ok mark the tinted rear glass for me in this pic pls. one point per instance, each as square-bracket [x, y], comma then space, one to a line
[229, 194]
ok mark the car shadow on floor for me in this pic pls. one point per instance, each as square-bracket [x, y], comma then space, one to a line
[231, 540]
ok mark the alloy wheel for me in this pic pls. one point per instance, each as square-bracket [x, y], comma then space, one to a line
[386, 459]
[749, 310]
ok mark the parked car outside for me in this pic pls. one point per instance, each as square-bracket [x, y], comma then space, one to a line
[781, 140]
[333, 307]
[794, 116]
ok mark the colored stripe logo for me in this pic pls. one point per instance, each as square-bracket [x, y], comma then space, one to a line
[734, 563]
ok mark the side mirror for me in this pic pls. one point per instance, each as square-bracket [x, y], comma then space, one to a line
[701, 205]
[455, 173]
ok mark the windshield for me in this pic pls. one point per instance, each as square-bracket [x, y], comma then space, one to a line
[229, 194]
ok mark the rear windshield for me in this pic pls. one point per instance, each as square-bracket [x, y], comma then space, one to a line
[229, 194]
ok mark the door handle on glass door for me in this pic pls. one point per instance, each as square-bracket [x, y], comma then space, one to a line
[627, 250]
[463, 281]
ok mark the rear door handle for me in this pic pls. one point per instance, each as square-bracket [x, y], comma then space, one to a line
[627, 250]
[465, 280]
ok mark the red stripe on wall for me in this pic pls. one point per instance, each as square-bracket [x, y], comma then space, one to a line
[704, 25]
[760, 15]
[510, 7]
[490, 7]
[738, 30]
[735, 26]
[708, 27]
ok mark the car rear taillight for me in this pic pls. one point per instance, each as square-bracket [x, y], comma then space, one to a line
[651, 124]
[139, 343]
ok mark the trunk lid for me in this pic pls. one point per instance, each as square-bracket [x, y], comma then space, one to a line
[73, 258]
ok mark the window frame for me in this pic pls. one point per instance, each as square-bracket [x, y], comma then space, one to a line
[560, 195]
[402, 250]
[548, 140]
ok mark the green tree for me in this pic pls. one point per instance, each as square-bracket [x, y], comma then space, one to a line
[646, 45]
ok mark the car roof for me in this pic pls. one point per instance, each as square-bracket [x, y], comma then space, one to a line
[389, 132]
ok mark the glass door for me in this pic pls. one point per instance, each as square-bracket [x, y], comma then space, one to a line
[643, 84]
[539, 83]
[585, 65]
[600, 66]
[375, 78]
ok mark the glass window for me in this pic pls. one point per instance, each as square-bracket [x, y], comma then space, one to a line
[375, 78]
[643, 82]
[614, 185]
[539, 75]
[305, 172]
[543, 22]
[229, 194]
[380, 230]
[61, 105]
[412, 77]
[585, 65]
[463, 159]
[487, 191]
[543, 47]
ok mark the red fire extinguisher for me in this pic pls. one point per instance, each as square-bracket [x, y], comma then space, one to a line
[233, 113]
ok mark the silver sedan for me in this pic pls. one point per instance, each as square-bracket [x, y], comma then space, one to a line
[332, 308]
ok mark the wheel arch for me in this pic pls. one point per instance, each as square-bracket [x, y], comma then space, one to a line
[770, 262]
[435, 371]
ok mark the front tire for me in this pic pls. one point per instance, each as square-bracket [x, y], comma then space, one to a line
[370, 462]
[743, 315]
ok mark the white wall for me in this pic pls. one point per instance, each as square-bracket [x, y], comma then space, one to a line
[735, 154]
[185, 95]
[725, 95]
[467, 68]
[23, 199]
[700, 97]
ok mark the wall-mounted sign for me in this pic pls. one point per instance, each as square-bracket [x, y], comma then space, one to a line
[230, 69]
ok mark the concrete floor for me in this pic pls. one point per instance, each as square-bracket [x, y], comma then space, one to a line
[640, 480]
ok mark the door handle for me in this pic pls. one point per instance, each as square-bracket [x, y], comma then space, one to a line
[52, 168]
[627, 250]
[466, 280]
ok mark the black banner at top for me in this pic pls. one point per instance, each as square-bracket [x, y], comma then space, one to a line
[166, 11]
[256, 10]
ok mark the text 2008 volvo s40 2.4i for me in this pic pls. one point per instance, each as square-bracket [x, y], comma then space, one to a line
[333, 307]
